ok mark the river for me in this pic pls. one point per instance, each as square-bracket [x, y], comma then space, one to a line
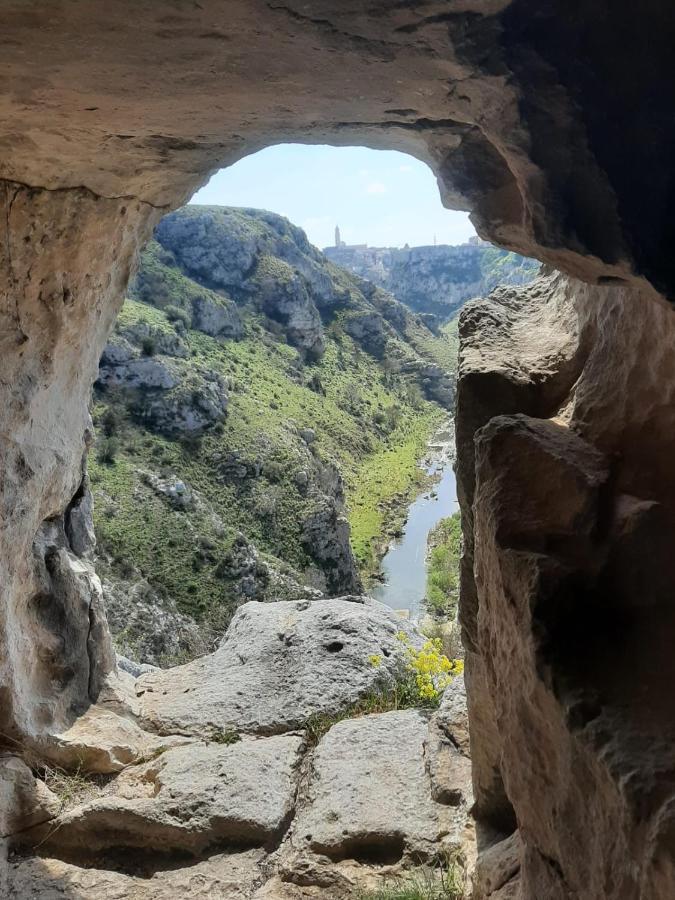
[404, 564]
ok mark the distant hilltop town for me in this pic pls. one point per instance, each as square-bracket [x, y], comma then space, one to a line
[436, 278]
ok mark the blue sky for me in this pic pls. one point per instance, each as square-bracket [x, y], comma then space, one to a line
[379, 197]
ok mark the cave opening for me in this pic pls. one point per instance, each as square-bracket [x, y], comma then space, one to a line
[554, 127]
[274, 421]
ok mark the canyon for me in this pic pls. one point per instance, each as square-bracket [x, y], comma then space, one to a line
[250, 408]
[553, 125]
[437, 280]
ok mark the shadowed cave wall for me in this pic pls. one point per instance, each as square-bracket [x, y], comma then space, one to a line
[552, 122]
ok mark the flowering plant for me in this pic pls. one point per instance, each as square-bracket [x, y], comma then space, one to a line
[429, 671]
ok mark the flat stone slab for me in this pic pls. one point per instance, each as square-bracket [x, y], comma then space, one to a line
[102, 742]
[227, 877]
[279, 664]
[369, 796]
[190, 798]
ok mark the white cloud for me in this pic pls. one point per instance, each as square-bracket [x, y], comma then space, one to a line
[364, 172]
[376, 187]
[405, 168]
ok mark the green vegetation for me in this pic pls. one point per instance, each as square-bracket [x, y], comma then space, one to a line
[420, 684]
[368, 418]
[451, 333]
[504, 266]
[225, 736]
[445, 547]
[446, 881]
[383, 486]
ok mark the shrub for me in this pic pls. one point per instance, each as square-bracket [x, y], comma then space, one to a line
[224, 736]
[445, 547]
[111, 421]
[148, 346]
[107, 450]
[177, 316]
[392, 415]
[428, 673]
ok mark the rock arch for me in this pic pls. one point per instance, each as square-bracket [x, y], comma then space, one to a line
[553, 124]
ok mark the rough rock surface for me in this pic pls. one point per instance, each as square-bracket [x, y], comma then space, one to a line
[219, 318]
[367, 797]
[25, 801]
[561, 506]
[146, 626]
[528, 116]
[278, 664]
[103, 742]
[190, 799]
[446, 749]
[168, 395]
[233, 876]
[497, 873]
[360, 807]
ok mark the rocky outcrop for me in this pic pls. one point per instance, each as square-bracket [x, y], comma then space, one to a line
[169, 396]
[190, 799]
[558, 500]
[325, 533]
[217, 317]
[55, 318]
[255, 816]
[231, 876]
[436, 280]
[278, 665]
[25, 801]
[367, 796]
[146, 626]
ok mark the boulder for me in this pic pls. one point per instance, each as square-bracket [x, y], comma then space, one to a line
[141, 373]
[278, 665]
[118, 351]
[216, 317]
[368, 796]
[191, 798]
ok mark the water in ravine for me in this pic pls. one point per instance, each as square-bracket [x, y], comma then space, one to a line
[404, 564]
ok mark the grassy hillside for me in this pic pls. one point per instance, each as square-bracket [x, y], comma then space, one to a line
[190, 509]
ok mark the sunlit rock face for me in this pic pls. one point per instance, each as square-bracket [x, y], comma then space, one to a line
[555, 127]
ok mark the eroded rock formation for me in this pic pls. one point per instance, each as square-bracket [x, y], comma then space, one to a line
[565, 595]
[553, 123]
[219, 773]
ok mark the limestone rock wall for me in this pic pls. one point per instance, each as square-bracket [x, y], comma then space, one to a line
[65, 258]
[566, 608]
